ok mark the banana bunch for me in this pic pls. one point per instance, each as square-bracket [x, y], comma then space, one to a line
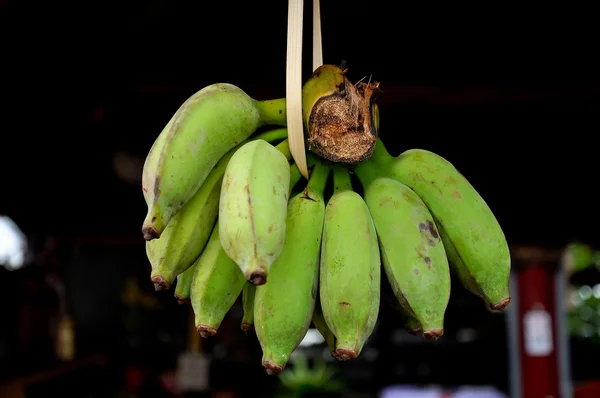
[230, 218]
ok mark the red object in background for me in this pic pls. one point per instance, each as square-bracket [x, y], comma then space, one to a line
[588, 390]
[538, 334]
[537, 337]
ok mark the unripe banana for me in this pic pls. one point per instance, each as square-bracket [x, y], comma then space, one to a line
[217, 283]
[249, 290]
[248, 294]
[412, 251]
[338, 116]
[350, 269]
[184, 284]
[207, 125]
[474, 240]
[187, 233]
[283, 307]
[253, 207]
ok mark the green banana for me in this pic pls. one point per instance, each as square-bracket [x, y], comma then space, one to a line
[253, 207]
[284, 307]
[319, 321]
[184, 284]
[248, 294]
[187, 233]
[412, 251]
[350, 269]
[217, 283]
[472, 236]
[339, 116]
[204, 128]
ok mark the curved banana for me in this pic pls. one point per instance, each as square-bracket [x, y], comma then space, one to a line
[339, 116]
[248, 294]
[284, 306]
[350, 269]
[412, 251]
[204, 128]
[474, 240]
[216, 284]
[189, 230]
[253, 207]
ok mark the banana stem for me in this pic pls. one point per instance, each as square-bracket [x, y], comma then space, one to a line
[271, 136]
[272, 112]
[318, 178]
[341, 179]
[295, 176]
[284, 147]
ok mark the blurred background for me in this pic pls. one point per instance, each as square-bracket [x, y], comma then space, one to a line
[510, 95]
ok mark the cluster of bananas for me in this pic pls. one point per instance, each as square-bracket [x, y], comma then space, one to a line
[230, 215]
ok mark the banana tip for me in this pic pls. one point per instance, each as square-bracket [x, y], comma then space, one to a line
[182, 300]
[501, 305]
[160, 283]
[247, 327]
[272, 369]
[344, 354]
[415, 332]
[258, 277]
[433, 335]
[205, 331]
[150, 232]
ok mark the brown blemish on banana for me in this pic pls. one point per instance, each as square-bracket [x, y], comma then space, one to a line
[205, 331]
[160, 283]
[416, 271]
[340, 126]
[258, 277]
[247, 327]
[433, 335]
[272, 369]
[344, 354]
[345, 304]
[150, 232]
[457, 195]
[500, 306]
[307, 196]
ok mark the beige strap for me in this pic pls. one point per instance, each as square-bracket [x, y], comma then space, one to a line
[293, 86]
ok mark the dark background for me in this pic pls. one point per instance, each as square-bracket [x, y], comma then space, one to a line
[508, 93]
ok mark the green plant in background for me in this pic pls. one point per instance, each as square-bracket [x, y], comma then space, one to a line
[302, 380]
[584, 317]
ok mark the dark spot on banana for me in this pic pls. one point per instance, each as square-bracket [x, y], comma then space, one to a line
[431, 242]
[270, 228]
[416, 271]
[345, 304]
[280, 111]
[457, 195]
[258, 277]
[432, 230]
[307, 196]
[427, 260]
